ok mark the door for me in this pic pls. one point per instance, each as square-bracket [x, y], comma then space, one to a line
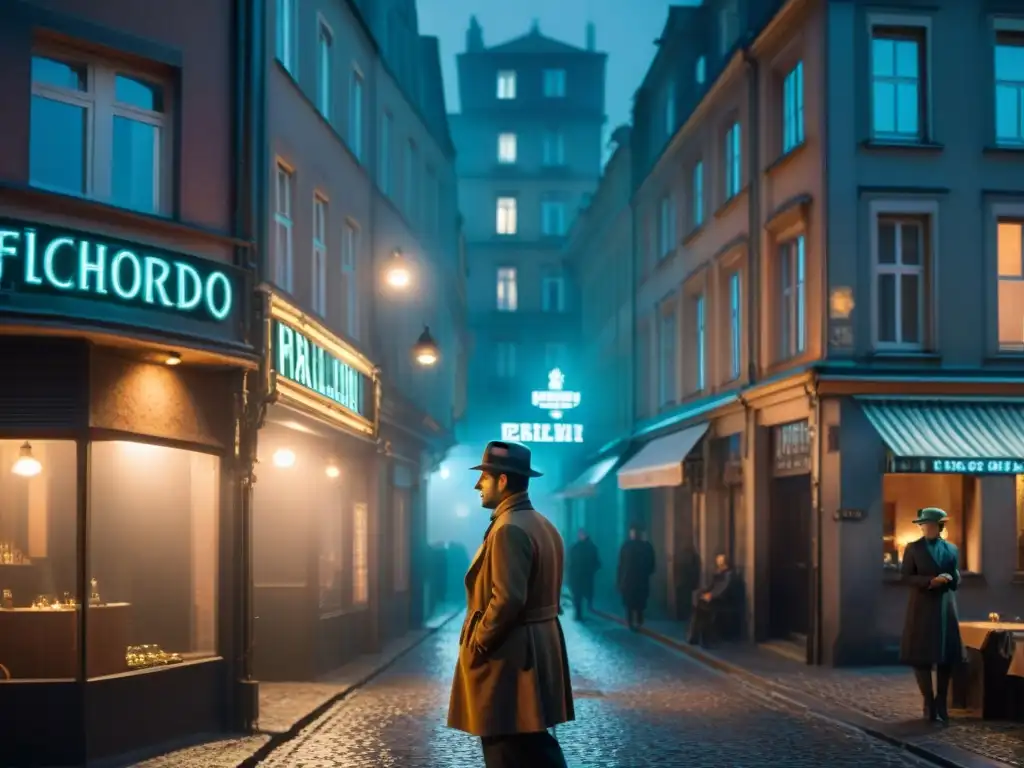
[790, 554]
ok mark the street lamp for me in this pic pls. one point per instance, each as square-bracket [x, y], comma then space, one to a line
[425, 350]
[397, 273]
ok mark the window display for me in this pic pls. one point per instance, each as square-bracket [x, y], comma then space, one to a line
[38, 559]
[154, 536]
[904, 494]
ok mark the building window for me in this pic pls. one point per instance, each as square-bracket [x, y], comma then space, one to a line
[728, 25]
[553, 148]
[1011, 285]
[100, 133]
[553, 293]
[733, 161]
[792, 264]
[160, 567]
[506, 223]
[554, 83]
[360, 554]
[386, 172]
[401, 533]
[552, 214]
[670, 109]
[286, 30]
[793, 109]
[355, 114]
[904, 494]
[506, 85]
[698, 194]
[1009, 71]
[330, 511]
[508, 295]
[735, 329]
[700, 348]
[505, 359]
[319, 271]
[900, 281]
[325, 41]
[898, 90]
[666, 227]
[283, 228]
[1020, 521]
[554, 356]
[701, 73]
[667, 359]
[507, 147]
[349, 281]
[410, 179]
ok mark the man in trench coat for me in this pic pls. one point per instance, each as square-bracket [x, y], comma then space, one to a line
[512, 677]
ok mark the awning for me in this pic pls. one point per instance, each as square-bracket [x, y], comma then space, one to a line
[586, 484]
[963, 436]
[659, 464]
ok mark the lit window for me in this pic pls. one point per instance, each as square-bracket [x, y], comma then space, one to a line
[733, 161]
[325, 41]
[355, 114]
[1011, 285]
[554, 84]
[700, 371]
[735, 329]
[286, 34]
[900, 261]
[793, 108]
[897, 93]
[553, 293]
[507, 148]
[506, 85]
[385, 171]
[553, 218]
[506, 223]
[349, 282]
[508, 296]
[701, 73]
[553, 148]
[283, 228]
[360, 554]
[319, 271]
[1009, 68]
[792, 330]
[698, 193]
[81, 113]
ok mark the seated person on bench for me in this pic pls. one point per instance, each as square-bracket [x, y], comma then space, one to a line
[711, 598]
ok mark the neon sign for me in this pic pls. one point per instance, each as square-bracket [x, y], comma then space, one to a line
[307, 363]
[555, 400]
[60, 271]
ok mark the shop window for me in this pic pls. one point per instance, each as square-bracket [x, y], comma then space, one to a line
[1020, 522]
[903, 495]
[360, 554]
[38, 559]
[401, 533]
[153, 537]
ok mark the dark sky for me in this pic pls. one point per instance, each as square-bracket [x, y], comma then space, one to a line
[625, 31]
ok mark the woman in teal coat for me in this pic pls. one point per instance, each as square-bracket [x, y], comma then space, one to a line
[931, 632]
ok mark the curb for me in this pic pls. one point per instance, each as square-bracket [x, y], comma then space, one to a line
[947, 756]
[278, 740]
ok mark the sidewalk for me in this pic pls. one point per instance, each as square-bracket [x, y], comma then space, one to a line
[881, 701]
[285, 708]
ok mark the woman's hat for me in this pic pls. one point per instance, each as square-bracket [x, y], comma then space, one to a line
[931, 515]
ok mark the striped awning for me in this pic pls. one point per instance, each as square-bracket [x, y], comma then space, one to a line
[949, 429]
[586, 484]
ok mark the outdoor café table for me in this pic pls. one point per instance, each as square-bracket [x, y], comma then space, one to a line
[994, 679]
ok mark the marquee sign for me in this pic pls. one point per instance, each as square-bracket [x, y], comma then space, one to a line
[956, 466]
[555, 400]
[305, 362]
[46, 269]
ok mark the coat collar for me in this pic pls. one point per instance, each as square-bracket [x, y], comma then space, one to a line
[514, 503]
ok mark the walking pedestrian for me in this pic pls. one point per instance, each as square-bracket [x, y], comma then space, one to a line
[931, 632]
[512, 676]
[584, 563]
[636, 564]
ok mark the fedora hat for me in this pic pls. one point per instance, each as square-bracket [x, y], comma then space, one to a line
[931, 515]
[503, 458]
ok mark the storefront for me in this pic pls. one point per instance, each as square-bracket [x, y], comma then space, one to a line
[125, 364]
[315, 500]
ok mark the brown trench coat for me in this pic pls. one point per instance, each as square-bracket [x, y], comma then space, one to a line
[512, 675]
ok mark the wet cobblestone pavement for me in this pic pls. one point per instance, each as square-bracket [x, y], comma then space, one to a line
[639, 705]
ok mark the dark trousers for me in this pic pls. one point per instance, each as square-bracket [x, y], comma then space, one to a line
[701, 622]
[581, 596]
[523, 750]
[934, 698]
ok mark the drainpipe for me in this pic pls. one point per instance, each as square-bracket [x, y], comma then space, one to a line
[754, 270]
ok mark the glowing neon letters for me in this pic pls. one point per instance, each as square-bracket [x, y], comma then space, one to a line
[39, 258]
[555, 400]
[307, 363]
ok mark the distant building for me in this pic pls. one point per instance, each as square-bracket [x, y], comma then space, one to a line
[529, 143]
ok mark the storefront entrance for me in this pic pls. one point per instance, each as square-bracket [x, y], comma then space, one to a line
[789, 534]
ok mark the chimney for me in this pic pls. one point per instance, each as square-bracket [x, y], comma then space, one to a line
[591, 36]
[474, 36]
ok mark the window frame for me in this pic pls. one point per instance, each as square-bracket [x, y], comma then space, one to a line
[996, 214]
[507, 289]
[547, 205]
[667, 239]
[735, 288]
[700, 342]
[927, 213]
[667, 353]
[1012, 31]
[350, 234]
[508, 141]
[506, 216]
[700, 73]
[669, 115]
[319, 251]
[286, 41]
[385, 171]
[697, 184]
[791, 259]
[793, 121]
[356, 121]
[558, 281]
[324, 67]
[561, 82]
[733, 145]
[896, 28]
[553, 148]
[284, 268]
[410, 177]
[505, 359]
[506, 84]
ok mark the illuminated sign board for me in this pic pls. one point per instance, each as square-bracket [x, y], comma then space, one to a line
[957, 466]
[303, 361]
[58, 271]
[555, 400]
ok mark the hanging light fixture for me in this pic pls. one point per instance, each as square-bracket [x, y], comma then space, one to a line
[397, 273]
[425, 350]
[172, 358]
[284, 458]
[27, 465]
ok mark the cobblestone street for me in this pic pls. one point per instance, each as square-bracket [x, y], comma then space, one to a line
[638, 704]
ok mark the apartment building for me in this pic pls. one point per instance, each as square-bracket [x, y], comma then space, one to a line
[362, 259]
[815, 216]
[529, 138]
